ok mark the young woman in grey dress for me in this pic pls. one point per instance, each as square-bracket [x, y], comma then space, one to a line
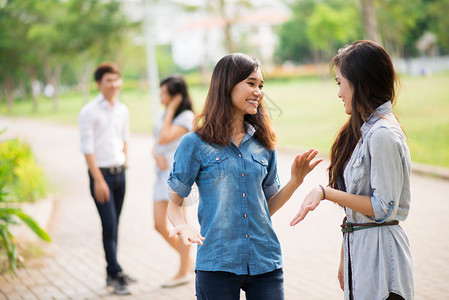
[173, 124]
[369, 176]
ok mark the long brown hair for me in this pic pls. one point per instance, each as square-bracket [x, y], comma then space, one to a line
[177, 85]
[213, 125]
[369, 69]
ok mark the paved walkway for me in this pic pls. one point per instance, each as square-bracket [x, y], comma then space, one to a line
[73, 264]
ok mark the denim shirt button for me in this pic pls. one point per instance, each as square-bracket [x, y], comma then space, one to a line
[243, 195]
[243, 174]
[244, 215]
[240, 155]
[246, 236]
[217, 159]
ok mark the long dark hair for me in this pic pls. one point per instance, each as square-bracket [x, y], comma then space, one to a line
[369, 69]
[176, 85]
[214, 123]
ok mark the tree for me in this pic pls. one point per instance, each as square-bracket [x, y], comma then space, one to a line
[293, 41]
[317, 30]
[329, 28]
[396, 19]
[13, 28]
[438, 21]
[43, 38]
[370, 20]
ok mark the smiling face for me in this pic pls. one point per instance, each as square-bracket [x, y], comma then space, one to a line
[247, 94]
[345, 91]
[110, 85]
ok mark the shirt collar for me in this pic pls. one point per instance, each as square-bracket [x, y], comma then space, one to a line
[380, 112]
[103, 102]
[250, 130]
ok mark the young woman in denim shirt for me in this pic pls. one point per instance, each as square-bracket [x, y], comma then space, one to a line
[369, 176]
[232, 159]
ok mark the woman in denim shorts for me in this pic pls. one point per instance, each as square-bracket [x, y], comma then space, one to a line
[174, 122]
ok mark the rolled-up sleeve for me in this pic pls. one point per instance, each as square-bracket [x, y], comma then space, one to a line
[186, 166]
[387, 175]
[271, 184]
[86, 127]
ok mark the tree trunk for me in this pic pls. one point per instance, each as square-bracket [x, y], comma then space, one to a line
[55, 80]
[229, 44]
[370, 20]
[34, 93]
[9, 93]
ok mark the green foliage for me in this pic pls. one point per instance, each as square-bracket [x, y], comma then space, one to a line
[10, 214]
[317, 29]
[329, 28]
[293, 42]
[437, 21]
[25, 179]
[50, 40]
[329, 24]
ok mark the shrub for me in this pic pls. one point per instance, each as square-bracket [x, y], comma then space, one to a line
[25, 180]
[15, 156]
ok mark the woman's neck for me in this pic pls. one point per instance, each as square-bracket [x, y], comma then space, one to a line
[238, 131]
[237, 126]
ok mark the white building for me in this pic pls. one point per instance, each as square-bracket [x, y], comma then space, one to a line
[197, 36]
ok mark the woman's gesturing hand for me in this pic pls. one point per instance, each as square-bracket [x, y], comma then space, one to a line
[303, 164]
[188, 234]
[311, 201]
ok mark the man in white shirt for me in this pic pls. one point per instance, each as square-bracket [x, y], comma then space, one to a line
[104, 132]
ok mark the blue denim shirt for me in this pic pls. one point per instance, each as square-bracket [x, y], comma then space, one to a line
[233, 184]
[379, 167]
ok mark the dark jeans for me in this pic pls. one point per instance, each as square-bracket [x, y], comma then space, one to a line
[394, 296]
[226, 286]
[109, 213]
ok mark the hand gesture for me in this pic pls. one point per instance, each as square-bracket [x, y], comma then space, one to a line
[302, 165]
[341, 277]
[174, 103]
[188, 234]
[311, 201]
[161, 162]
[101, 191]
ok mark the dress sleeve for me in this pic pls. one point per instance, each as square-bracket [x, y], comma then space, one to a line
[270, 184]
[185, 119]
[387, 173]
[185, 166]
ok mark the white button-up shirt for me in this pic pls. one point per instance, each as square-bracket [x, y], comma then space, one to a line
[104, 129]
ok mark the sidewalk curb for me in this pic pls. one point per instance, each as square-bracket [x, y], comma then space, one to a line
[417, 168]
[432, 171]
[41, 211]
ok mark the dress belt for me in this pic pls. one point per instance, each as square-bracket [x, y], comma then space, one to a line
[351, 227]
[113, 170]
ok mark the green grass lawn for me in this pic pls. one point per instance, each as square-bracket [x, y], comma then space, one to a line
[305, 113]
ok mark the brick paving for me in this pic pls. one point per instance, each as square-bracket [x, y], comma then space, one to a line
[73, 267]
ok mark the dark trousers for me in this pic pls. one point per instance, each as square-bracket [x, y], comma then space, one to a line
[394, 296]
[110, 213]
[226, 286]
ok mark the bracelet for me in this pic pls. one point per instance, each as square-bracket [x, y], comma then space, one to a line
[324, 193]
